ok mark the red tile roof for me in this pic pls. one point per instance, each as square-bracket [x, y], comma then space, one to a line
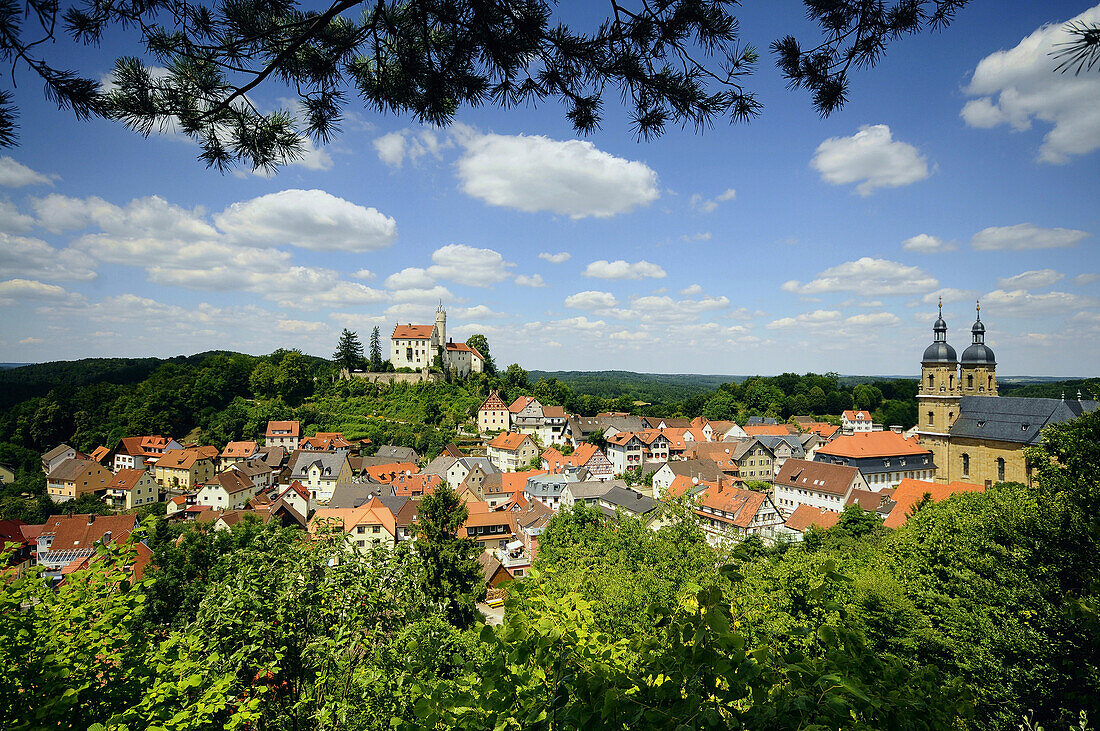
[743, 504]
[413, 332]
[910, 491]
[239, 449]
[283, 429]
[520, 404]
[77, 533]
[872, 444]
[509, 441]
[387, 473]
[126, 479]
[805, 516]
[857, 415]
[414, 485]
[767, 430]
[493, 403]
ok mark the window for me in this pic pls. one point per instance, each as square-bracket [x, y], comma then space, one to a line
[990, 382]
[1000, 469]
[969, 381]
[930, 380]
[361, 529]
[966, 465]
[931, 418]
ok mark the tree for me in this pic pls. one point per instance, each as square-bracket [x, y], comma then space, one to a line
[480, 343]
[517, 378]
[262, 380]
[452, 576]
[376, 364]
[349, 351]
[680, 62]
[293, 378]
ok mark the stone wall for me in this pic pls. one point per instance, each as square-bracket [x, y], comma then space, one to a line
[419, 377]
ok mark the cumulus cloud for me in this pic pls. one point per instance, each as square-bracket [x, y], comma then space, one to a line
[927, 244]
[869, 277]
[534, 173]
[409, 278]
[591, 300]
[1034, 279]
[949, 295]
[533, 280]
[619, 269]
[150, 217]
[395, 147]
[1019, 85]
[366, 274]
[817, 318]
[708, 205]
[11, 220]
[308, 219]
[1087, 278]
[1025, 236]
[559, 258]
[300, 326]
[16, 175]
[870, 157]
[22, 291]
[692, 289]
[423, 295]
[1020, 303]
[469, 265]
[30, 258]
[479, 312]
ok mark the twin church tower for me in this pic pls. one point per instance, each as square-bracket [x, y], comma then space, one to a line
[945, 380]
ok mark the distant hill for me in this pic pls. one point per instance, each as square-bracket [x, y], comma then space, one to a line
[5, 366]
[659, 387]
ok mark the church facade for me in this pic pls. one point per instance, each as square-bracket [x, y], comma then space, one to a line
[975, 435]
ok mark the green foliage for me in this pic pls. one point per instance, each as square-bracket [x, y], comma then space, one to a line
[480, 343]
[452, 577]
[349, 351]
[376, 363]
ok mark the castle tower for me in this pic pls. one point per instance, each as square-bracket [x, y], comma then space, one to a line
[441, 326]
[978, 376]
[938, 398]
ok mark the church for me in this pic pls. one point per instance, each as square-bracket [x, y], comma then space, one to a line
[417, 346]
[974, 434]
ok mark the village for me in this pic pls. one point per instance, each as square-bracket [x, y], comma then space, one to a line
[763, 478]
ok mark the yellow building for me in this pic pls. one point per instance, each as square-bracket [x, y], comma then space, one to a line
[184, 469]
[974, 434]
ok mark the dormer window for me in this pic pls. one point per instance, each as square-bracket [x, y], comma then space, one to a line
[981, 423]
[1025, 427]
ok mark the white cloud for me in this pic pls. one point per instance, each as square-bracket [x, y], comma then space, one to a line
[308, 219]
[534, 280]
[151, 217]
[468, 265]
[1034, 279]
[11, 220]
[21, 291]
[535, 173]
[30, 258]
[300, 326]
[632, 336]
[926, 244]
[817, 318]
[949, 295]
[691, 290]
[1025, 236]
[423, 295]
[868, 277]
[705, 205]
[873, 319]
[872, 156]
[559, 258]
[704, 236]
[1018, 85]
[1018, 303]
[619, 269]
[1087, 278]
[479, 312]
[393, 148]
[409, 278]
[16, 175]
[591, 300]
[30, 341]
[365, 274]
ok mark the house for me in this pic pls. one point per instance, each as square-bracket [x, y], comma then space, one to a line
[511, 452]
[700, 470]
[235, 452]
[724, 454]
[415, 486]
[421, 347]
[727, 431]
[655, 445]
[856, 421]
[619, 500]
[531, 520]
[501, 487]
[821, 429]
[587, 492]
[132, 488]
[474, 482]
[625, 450]
[910, 492]
[441, 465]
[368, 526]
[102, 455]
[327, 441]
[763, 430]
[547, 489]
[884, 457]
[761, 421]
[25, 539]
[727, 512]
[319, 472]
[273, 457]
[579, 428]
[805, 517]
[57, 455]
[492, 570]
[140, 452]
[390, 471]
[68, 539]
[527, 416]
[460, 468]
[783, 448]
[755, 460]
[818, 484]
[490, 529]
[285, 434]
[226, 490]
[75, 477]
[184, 469]
[397, 454]
[585, 456]
[667, 422]
[493, 415]
[258, 471]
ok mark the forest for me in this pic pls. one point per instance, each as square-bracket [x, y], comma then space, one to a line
[981, 612]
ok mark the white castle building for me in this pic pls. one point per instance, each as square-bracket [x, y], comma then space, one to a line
[416, 346]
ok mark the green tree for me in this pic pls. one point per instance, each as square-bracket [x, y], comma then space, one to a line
[480, 343]
[349, 351]
[376, 364]
[294, 377]
[516, 378]
[452, 576]
[262, 379]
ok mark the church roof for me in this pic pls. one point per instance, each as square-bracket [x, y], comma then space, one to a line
[1014, 419]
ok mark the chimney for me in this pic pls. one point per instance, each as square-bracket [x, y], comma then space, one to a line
[896, 429]
[91, 518]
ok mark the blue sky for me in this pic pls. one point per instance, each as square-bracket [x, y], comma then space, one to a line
[961, 167]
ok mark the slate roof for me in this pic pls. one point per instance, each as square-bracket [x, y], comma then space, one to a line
[331, 464]
[398, 454]
[705, 469]
[439, 466]
[71, 469]
[793, 440]
[56, 452]
[592, 489]
[548, 485]
[629, 500]
[761, 420]
[354, 494]
[1011, 419]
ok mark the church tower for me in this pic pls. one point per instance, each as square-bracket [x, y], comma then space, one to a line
[939, 394]
[978, 376]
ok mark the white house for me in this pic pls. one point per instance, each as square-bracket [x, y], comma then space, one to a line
[228, 490]
[131, 489]
[817, 484]
[283, 434]
[319, 472]
[856, 421]
[416, 347]
[624, 450]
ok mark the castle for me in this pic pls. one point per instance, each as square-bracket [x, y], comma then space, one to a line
[418, 346]
[974, 434]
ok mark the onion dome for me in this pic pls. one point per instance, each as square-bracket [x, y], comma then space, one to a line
[939, 351]
[978, 353]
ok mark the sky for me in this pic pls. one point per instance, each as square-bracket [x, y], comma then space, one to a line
[962, 167]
